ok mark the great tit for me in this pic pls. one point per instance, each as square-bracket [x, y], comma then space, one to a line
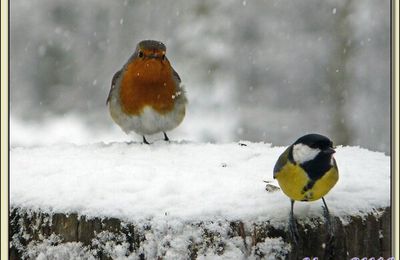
[307, 171]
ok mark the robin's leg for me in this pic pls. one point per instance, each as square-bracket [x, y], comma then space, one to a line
[327, 218]
[144, 140]
[294, 233]
[165, 137]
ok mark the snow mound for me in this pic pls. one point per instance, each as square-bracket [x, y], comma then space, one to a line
[186, 181]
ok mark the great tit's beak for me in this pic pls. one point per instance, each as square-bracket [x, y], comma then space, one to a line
[329, 150]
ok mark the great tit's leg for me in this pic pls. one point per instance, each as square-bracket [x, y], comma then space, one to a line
[329, 252]
[165, 137]
[293, 232]
[144, 140]
[327, 218]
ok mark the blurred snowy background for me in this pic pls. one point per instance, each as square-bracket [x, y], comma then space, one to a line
[255, 70]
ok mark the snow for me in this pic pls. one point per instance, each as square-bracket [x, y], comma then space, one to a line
[183, 181]
[51, 249]
[116, 247]
[73, 128]
[65, 65]
[66, 129]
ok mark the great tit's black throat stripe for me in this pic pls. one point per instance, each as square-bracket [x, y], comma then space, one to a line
[317, 167]
[308, 186]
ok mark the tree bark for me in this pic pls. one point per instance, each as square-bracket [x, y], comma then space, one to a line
[368, 236]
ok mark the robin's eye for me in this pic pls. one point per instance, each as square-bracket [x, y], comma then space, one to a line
[140, 54]
[163, 57]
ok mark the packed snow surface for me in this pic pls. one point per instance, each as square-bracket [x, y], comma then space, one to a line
[183, 180]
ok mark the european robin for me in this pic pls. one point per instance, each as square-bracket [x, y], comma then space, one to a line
[146, 95]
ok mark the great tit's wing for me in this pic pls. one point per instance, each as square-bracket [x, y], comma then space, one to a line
[113, 81]
[283, 159]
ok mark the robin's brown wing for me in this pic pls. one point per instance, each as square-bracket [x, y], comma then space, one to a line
[114, 79]
[176, 76]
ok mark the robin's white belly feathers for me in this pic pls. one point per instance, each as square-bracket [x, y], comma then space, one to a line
[149, 121]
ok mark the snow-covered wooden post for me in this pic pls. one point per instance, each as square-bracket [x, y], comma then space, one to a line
[188, 201]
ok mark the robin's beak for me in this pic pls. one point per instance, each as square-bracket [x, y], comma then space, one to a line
[152, 56]
[155, 56]
[329, 150]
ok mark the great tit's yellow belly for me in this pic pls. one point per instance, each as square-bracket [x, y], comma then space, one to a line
[293, 181]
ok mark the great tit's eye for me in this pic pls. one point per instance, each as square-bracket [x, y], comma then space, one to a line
[140, 54]
[313, 145]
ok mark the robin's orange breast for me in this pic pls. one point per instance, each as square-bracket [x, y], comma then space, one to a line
[147, 82]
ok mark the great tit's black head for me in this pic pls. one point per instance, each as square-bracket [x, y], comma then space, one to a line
[309, 146]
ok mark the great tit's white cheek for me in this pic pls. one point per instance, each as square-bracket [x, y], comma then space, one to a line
[303, 153]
